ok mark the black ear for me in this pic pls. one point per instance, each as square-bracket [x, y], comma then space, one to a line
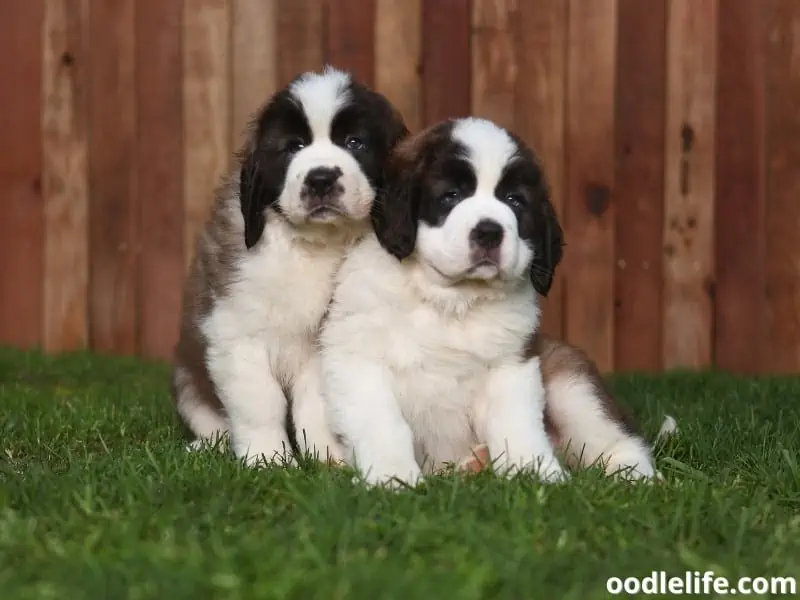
[394, 213]
[254, 197]
[549, 248]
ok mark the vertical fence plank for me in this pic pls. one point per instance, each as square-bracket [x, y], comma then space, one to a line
[254, 61]
[783, 205]
[301, 47]
[65, 181]
[113, 231]
[541, 47]
[398, 50]
[21, 228]
[159, 72]
[445, 59]
[740, 299]
[639, 192]
[494, 60]
[589, 261]
[689, 184]
[350, 39]
[206, 110]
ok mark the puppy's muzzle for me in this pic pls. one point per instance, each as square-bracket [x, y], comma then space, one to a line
[485, 240]
[322, 191]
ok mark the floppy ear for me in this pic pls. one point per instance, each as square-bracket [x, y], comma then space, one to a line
[549, 248]
[254, 197]
[395, 211]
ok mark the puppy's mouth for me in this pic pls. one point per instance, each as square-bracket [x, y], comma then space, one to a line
[483, 263]
[323, 209]
[325, 212]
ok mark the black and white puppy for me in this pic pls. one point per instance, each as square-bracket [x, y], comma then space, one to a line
[263, 273]
[424, 344]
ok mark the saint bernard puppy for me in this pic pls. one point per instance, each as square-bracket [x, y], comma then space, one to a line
[430, 345]
[263, 273]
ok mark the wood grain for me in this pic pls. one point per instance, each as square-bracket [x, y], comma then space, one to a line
[689, 183]
[301, 47]
[113, 231]
[494, 60]
[783, 207]
[639, 183]
[65, 180]
[589, 262]
[398, 57]
[21, 228]
[740, 325]
[540, 99]
[206, 110]
[159, 72]
[254, 75]
[445, 59]
[350, 39]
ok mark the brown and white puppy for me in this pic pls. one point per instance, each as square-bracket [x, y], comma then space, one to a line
[263, 273]
[430, 346]
[423, 346]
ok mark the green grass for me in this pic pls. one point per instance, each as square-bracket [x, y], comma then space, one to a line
[99, 500]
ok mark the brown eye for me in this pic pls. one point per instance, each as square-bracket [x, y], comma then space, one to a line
[293, 145]
[515, 200]
[354, 143]
[450, 197]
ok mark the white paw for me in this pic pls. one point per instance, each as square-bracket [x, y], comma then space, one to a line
[263, 450]
[393, 476]
[552, 472]
[545, 467]
[328, 450]
[634, 472]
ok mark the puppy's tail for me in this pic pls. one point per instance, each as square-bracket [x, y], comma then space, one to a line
[669, 427]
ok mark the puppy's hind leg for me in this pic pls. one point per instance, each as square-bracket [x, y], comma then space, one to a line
[199, 409]
[589, 429]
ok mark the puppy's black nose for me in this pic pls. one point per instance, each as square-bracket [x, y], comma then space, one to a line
[487, 234]
[320, 180]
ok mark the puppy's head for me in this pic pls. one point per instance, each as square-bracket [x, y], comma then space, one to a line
[470, 200]
[316, 153]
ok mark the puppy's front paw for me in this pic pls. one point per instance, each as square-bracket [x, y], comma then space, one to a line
[263, 450]
[545, 466]
[393, 476]
[552, 472]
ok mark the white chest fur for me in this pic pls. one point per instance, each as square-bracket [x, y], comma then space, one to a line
[278, 294]
[436, 360]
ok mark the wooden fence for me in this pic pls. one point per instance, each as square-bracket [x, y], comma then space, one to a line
[670, 130]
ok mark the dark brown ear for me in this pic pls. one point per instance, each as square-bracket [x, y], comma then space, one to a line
[549, 248]
[395, 211]
[255, 196]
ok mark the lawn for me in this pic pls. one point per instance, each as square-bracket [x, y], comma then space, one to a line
[99, 500]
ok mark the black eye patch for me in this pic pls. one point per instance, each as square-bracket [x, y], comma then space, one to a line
[350, 130]
[521, 188]
[447, 184]
[283, 127]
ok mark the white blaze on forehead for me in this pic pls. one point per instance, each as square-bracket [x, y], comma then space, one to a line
[489, 150]
[322, 95]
